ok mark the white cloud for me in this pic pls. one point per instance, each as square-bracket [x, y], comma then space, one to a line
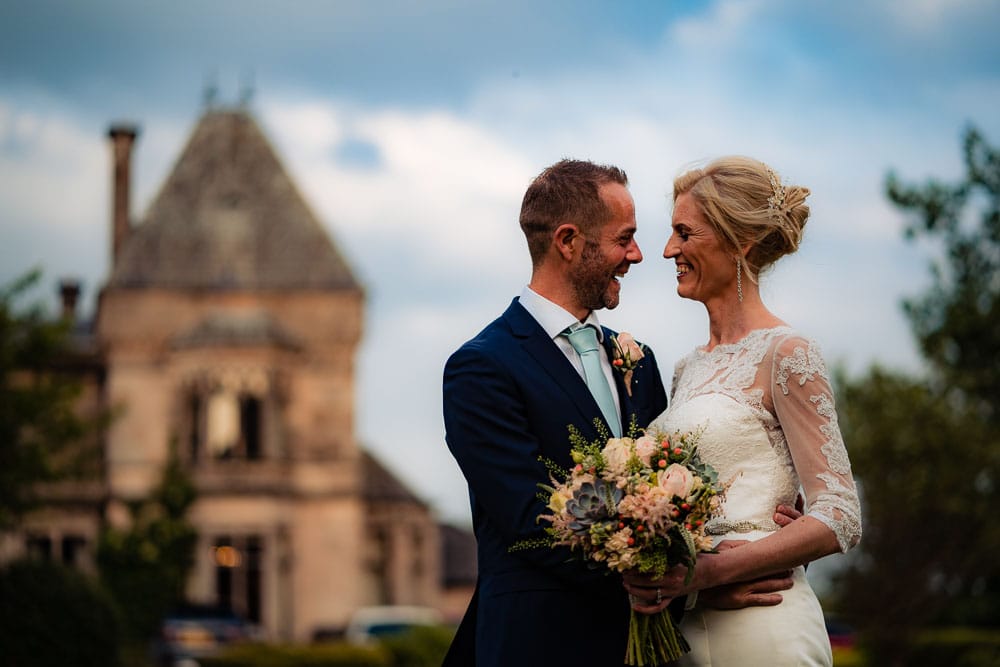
[443, 194]
[928, 16]
[723, 25]
[51, 169]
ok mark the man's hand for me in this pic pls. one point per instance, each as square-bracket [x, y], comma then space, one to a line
[784, 515]
[763, 592]
[648, 597]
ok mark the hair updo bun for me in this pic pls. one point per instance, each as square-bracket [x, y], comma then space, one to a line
[746, 203]
[785, 235]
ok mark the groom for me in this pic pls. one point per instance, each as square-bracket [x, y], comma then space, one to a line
[509, 395]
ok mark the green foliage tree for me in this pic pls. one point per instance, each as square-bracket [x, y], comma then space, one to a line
[926, 450]
[145, 566]
[956, 321]
[42, 438]
[52, 616]
[419, 647]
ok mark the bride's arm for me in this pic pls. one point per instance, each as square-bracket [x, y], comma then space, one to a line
[803, 402]
[802, 541]
[804, 405]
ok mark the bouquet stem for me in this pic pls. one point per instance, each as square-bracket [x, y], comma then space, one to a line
[653, 639]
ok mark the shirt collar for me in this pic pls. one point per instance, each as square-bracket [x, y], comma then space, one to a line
[553, 318]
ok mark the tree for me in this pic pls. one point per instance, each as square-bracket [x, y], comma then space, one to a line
[926, 450]
[42, 438]
[145, 566]
[957, 323]
[51, 616]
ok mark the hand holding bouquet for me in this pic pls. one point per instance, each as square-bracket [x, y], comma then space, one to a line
[636, 504]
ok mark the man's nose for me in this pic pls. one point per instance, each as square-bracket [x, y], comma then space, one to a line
[634, 255]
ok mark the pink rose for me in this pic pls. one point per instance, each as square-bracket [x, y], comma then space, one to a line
[616, 455]
[631, 351]
[644, 448]
[626, 356]
[676, 480]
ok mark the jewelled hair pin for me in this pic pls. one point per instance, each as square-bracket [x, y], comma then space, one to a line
[776, 201]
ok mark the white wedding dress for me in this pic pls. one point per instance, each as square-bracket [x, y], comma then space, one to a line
[767, 411]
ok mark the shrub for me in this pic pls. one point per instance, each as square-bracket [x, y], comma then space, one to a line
[317, 655]
[53, 616]
[419, 647]
[957, 647]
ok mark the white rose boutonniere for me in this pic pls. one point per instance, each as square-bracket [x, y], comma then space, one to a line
[626, 354]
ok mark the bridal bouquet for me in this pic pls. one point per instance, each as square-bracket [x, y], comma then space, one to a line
[636, 503]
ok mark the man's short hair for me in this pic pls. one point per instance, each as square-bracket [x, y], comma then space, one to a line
[566, 192]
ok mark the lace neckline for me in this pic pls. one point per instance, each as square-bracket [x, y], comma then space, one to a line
[742, 343]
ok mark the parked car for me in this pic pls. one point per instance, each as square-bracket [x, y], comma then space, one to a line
[369, 624]
[196, 631]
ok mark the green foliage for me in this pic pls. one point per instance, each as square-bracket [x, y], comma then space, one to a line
[844, 656]
[145, 567]
[283, 655]
[957, 647]
[51, 616]
[926, 450]
[917, 459]
[41, 437]
[585, 452]
[419, 647]
[956, 320]
[556, 472]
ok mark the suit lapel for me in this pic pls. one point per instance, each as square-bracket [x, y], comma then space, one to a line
[624, 398]
[551, 359]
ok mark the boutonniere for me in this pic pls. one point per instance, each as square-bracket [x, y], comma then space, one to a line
[626, 353]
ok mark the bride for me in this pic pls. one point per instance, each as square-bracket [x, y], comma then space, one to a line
[761, 392]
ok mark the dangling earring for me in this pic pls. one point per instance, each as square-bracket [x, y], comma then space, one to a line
[739, 279]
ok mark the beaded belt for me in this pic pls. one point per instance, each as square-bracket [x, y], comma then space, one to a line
[725, 526]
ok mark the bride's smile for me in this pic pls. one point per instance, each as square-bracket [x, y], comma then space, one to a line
[705, 270]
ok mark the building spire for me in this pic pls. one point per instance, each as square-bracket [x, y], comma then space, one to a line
[210, 93]
[247, 89]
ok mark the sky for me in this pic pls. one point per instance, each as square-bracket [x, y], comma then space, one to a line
[413, 128]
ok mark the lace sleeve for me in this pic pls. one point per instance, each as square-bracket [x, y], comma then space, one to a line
[804, 405]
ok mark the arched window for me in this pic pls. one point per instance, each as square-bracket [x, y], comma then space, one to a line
[222, 425]
[239, 567]
[227, 419]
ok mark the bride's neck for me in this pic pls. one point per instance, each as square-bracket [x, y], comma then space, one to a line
[730, 321]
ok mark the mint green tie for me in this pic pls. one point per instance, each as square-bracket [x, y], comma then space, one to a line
[583, 338]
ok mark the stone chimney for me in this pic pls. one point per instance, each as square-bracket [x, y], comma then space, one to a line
[69, 294]
[122, 137]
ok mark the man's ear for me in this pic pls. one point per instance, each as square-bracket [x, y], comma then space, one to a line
[564, 238]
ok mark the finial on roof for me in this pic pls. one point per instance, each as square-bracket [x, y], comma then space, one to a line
[211, 91]
[247, 89]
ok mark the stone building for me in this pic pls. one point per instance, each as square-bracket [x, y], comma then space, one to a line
[227, 330]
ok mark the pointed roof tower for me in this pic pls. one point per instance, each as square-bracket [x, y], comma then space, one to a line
[229, 218]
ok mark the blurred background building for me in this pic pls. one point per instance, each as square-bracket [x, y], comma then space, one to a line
[226, 335]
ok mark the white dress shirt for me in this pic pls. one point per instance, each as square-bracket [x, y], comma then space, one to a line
[555, 319]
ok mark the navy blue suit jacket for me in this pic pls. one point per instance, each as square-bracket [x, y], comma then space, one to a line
[509, 395]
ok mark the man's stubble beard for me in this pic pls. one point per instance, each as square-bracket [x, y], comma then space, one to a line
[592, 282]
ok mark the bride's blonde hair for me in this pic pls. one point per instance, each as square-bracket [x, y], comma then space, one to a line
[746, 203]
